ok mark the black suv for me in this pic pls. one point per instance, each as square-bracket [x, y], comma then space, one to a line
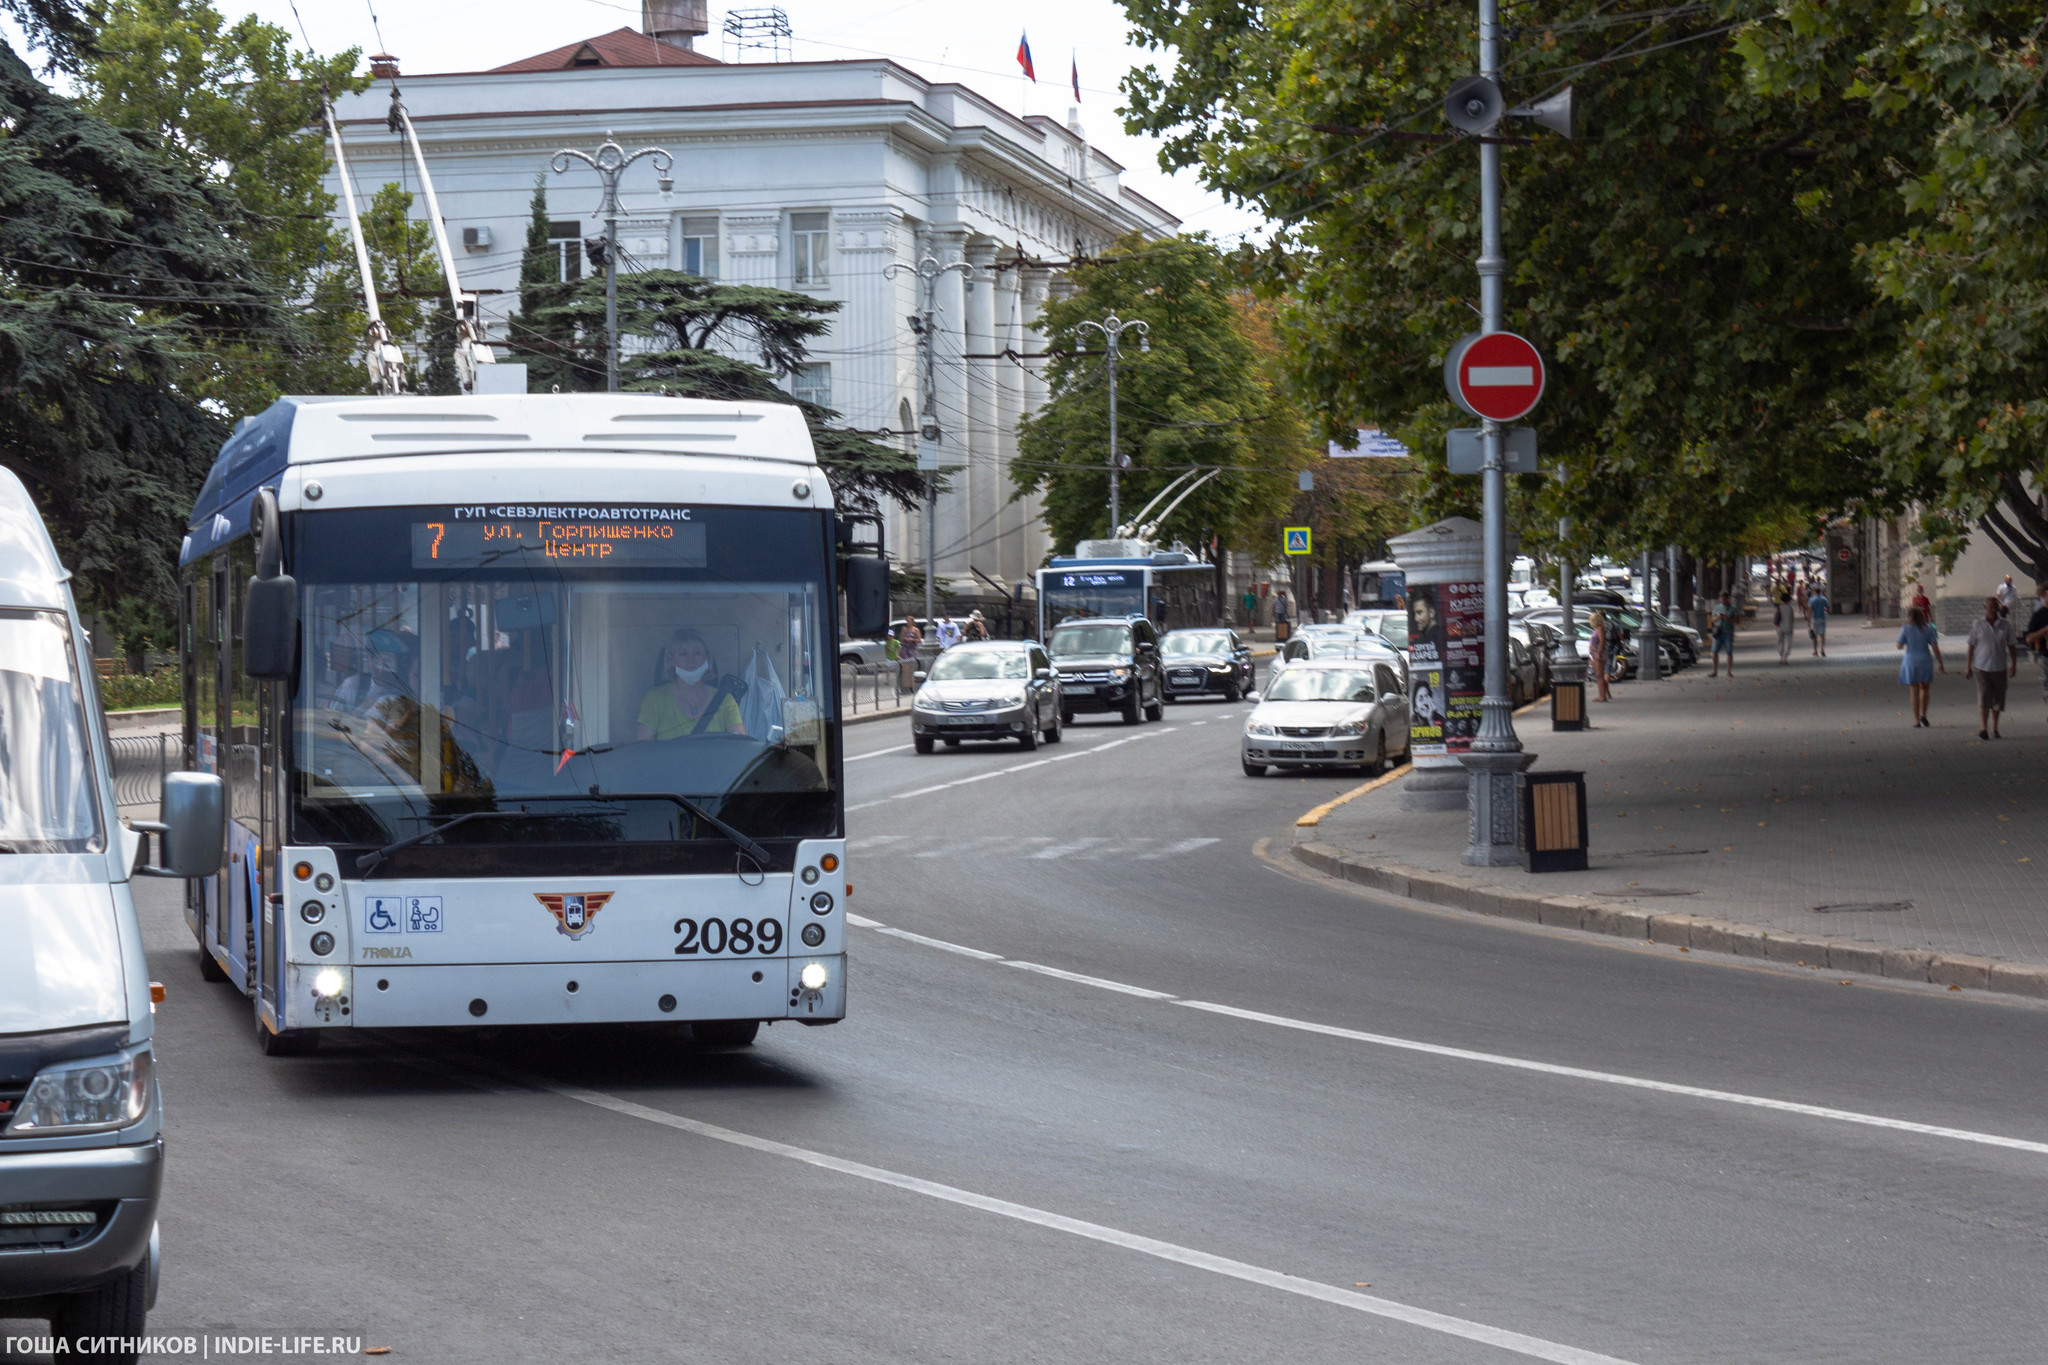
[1109, 664]
[1206, 661]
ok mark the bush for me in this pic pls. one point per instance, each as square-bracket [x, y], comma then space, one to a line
[133, 691]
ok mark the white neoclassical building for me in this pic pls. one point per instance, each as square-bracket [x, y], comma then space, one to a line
[811, 176]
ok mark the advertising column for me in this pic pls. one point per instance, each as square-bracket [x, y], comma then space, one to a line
[1443, 566]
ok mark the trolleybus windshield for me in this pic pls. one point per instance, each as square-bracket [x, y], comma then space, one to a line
[1069, 593]
[559, 675]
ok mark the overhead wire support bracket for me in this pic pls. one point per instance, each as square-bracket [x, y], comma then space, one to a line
[381, 356]
[470, 347]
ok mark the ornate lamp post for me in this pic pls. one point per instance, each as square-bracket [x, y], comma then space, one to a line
[610, 161]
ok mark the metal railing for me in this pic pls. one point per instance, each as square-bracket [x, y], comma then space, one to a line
[872, 687]
[140, 762]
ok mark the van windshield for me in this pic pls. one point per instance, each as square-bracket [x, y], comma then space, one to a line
[47, 803]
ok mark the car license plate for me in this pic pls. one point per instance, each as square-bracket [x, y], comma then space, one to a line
[1294, 749]
[1187, 676]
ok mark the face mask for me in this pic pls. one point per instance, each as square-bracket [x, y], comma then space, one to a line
[693, 675]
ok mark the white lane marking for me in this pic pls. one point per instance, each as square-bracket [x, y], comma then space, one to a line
[876, 840]
[1071, 846]
[1535, 1348]
[1633, 1082]
[949, 850]
[1525, 1064]
[1079, 979]
[877, 753]
[921, 791]
[940, 944]
[862, 921]
[1198, 722]
[1184, 846]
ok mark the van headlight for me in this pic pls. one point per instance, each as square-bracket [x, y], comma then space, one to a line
[84, 1097]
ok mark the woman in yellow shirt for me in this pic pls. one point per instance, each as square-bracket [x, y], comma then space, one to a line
[675, 705]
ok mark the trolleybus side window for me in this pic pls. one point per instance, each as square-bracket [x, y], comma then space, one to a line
[206, 627]
[240, 745]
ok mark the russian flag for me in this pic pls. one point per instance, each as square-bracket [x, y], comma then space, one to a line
[1024, 57]
[1077, 79]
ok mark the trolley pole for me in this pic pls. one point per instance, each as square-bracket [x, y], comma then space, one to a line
[924, 325]
[610, 161]
[1112, 328]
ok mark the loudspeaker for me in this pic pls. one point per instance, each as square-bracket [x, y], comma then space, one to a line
[1558, 113]
[1474, 104]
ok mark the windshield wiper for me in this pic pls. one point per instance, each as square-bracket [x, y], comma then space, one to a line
[760, 855]
[369, 861]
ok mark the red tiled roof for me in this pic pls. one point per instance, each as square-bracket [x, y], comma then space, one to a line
[620, 47]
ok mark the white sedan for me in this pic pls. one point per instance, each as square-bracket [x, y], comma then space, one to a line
[1329, 713]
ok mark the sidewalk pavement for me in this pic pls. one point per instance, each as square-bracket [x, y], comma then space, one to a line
[1791, 812]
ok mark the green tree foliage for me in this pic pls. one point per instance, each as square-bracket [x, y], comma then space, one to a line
[240, 109]
[541, 336]
[1199, 398]
[1683, 263]
[688, 336]
[1954, 93]
[119, 265]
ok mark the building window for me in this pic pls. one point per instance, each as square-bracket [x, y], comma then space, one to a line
[700, 247]
[812, 384]
[567, 240]
[811, 234]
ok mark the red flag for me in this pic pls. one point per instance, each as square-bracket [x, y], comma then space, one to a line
[1077, 80]
[1024, 57]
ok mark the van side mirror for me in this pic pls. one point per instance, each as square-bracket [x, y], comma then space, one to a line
[270, 607]
[867, 596]
[191, 826]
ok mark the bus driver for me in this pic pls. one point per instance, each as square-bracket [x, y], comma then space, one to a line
[674, 707]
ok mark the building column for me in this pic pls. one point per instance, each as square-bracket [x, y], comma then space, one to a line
[955, 419]
[1032, 286]
[1010, 565]
[984, 506]
[753, 249]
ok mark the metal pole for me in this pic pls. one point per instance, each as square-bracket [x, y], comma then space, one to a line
[610, 162]
[1496, 754]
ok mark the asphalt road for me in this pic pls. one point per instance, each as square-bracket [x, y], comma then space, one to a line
[1415, 1136]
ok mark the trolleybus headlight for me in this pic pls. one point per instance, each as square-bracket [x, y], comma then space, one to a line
[822, 903]
[324, 882]
[814, 934]
[810, 875]
[323, 944]
[312, 912]
[812, 977]
[328, 983]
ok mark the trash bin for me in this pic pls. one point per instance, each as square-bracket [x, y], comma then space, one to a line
[1553, 833]
[1567, 705]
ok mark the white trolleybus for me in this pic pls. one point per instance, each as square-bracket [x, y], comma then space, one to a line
[1171, 587]
[526, 710]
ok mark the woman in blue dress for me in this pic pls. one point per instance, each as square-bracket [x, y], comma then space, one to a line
[1923, 655]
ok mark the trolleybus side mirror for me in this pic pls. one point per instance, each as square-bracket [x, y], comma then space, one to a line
[191, 826]
[867, 596]
[270, 608]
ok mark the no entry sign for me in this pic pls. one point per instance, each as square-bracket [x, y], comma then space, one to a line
[1498, 375]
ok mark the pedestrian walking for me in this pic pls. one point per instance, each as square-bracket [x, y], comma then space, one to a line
[949, 632]
[1817, 623]
[2037, 635]
[1923, 657]
[2006, 595]
[1782, 617]
[1599, 654]
[1722, 621]
[1920, 601]
[1800, 596]
[908, 639]
[1990, 659]
[976, 628]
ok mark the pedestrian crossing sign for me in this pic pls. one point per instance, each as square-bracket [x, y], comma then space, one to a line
[1297, 540]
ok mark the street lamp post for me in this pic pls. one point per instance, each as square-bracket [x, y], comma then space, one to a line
[610, 161]
[924, 324]
[1496, 754]
[1112, 328]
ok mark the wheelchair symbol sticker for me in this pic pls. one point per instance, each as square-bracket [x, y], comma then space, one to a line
[384, 915]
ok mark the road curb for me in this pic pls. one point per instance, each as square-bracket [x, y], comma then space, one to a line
[866, 716]
[1697, 933]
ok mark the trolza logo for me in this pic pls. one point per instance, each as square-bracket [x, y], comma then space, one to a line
[574, 911]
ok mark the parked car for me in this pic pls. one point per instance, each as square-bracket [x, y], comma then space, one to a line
[81, 1120]
[1000, 689]
[1202, 661]
[1304, 648]
[863, 651]
[1332, 712]
[1109, 663]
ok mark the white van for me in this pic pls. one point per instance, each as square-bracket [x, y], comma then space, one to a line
[81, 1131]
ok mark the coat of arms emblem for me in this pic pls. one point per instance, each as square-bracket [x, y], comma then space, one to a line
[574, 911]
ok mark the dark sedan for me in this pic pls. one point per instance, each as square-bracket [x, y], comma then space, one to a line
[1206, 662]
